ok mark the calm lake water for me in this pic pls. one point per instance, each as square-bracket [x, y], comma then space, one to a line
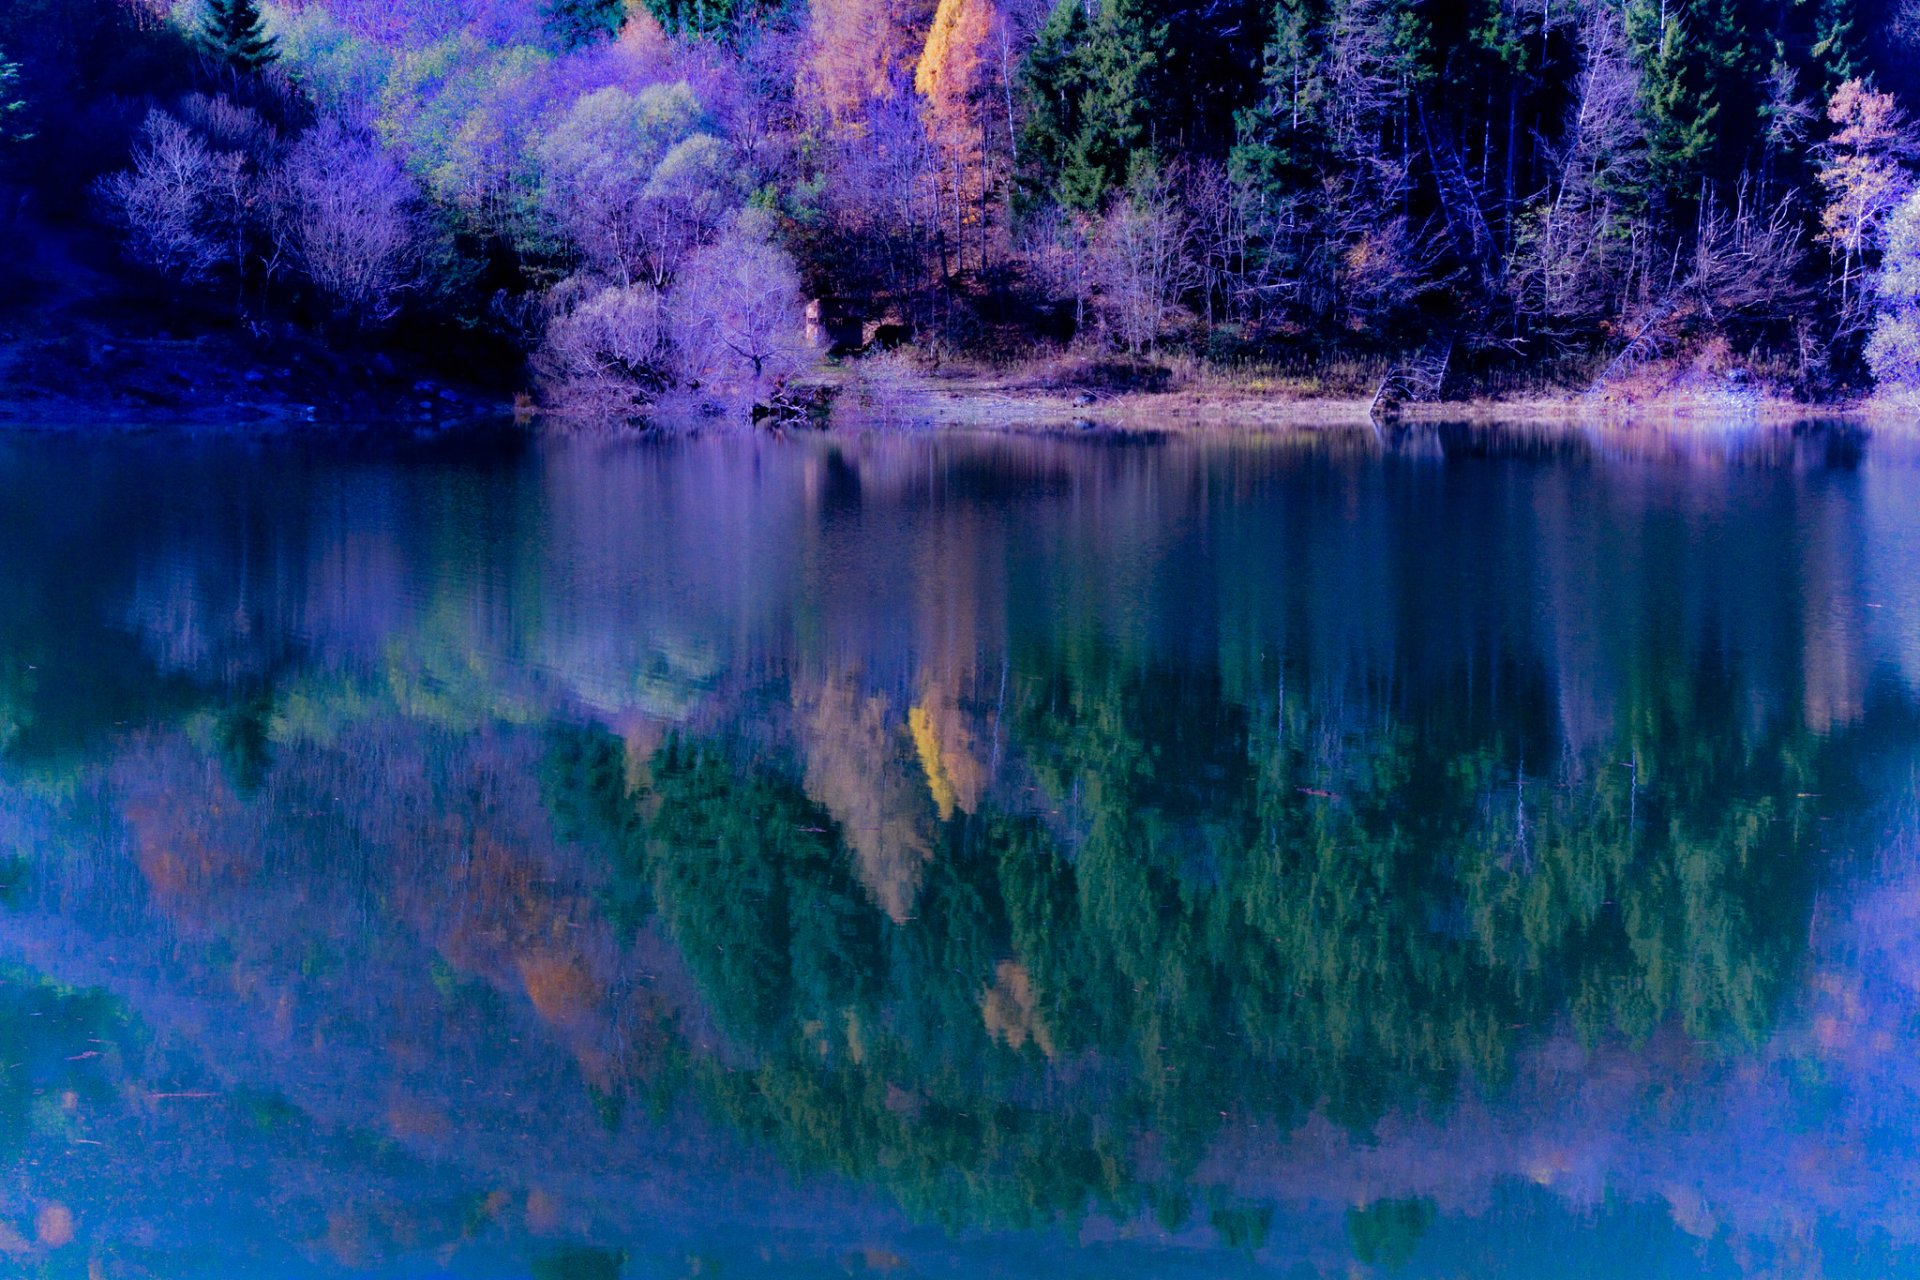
[1448, 855]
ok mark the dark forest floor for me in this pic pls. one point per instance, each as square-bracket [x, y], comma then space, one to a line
[85, 343]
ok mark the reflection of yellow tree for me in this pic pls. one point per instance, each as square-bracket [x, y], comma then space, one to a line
[1008, 1010]
[1833, 664]
[949, 628]
[857, 773]
[948, 753]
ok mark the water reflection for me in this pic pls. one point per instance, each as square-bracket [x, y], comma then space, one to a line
[1466, 852]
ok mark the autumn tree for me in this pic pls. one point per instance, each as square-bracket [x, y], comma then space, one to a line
[1893, 348]
[955, 76]
[1865, 175]
[737, 314]
[862, 52]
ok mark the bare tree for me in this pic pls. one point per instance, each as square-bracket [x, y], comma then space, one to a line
[356, 221]
[1577, 250]
[1058, 251]
[1144, 261]
[738, 320]
[166, 202]
[883, 193]
[229, 126]
[605, 341]
[1743, 271]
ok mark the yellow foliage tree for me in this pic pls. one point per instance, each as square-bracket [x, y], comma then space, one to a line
[862, 52]
[953, 72]
[1865, 177]
[955, 75]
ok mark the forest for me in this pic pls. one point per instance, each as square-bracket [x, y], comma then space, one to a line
[615, 204]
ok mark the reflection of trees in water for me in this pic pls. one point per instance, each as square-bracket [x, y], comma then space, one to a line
[1244, 829]
[1174, 909]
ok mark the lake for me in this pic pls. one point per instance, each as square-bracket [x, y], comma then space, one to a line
[1459, 852]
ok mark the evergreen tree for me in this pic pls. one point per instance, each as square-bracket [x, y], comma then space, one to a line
[1283, 135]
[1680, 111]
[574, 24]
[1835, 41]
[1124, 50]
[236, 32]
[1053, 87]
[1092, 88]
[1703, 74]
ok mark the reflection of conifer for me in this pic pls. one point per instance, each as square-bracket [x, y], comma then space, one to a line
[236, 33]
[12, 106]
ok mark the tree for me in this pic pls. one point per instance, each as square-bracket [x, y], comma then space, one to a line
[1092, 87]
[165, 202]
[1325, 158]
[1864, 173]
[1282, 136]
[1893, 349]
[1836, 40]
[1050, 83]
[725, 20]
[575, 24]
[1699, 66]
[737, 314]
[953, 76]
[1143, 259]
[862, 53]
[235, 32]
[633, 180]
[607, 341]
[1577, 249]
[356, 222]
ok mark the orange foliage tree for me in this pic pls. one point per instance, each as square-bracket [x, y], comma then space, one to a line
[862, 52]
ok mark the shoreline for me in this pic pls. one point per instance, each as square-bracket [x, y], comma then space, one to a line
[62, 373]
[436, 410]
[83, 350]
[1008, 402]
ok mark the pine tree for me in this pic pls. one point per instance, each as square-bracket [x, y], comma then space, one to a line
[1703, 79]
[574, 24]
[1092, 88]
[1125, 49]
[1053, 86]
[1283, 136]
[1835, 41]
[236, 33]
